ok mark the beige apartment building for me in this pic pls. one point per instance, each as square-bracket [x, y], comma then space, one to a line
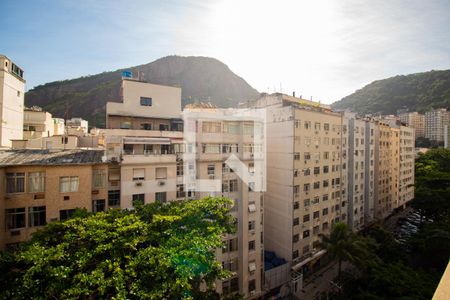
[37, 123]
[305, 192]
[77, 126]
[435, 121]
[416, 121]
[41, 186]
[12, 89]
[216, 137]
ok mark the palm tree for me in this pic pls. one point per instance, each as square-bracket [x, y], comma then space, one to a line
[343, 245]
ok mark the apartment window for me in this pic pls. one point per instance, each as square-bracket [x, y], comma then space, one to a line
[306, 248]
[163, 127]
[68, 184]
[297, 156]
[296, 205]
[180, 191]
[15, 182]
[15, 218]
[307, 124]
[325, 169]
[316, 170]
[251, 245]
[306, 218]
[180, 168]
[296, 189]
[230, 286]
[326, 126]
[317, 126]
[316, 229]
[325, 226]
[316, 215]
[296, 222]
[251, 225]
[211, 170]
[249, 129]
[211, 148]
[125, 125]
[306, 187]
[233, 185]
[326, 183]
[305, 234]
[251, 285]
[146, 126]
[307, 156]
[324, 211]
[317, 185]
[138, 199]
[295, 254]
[325, 197]
[231, 128]
[230, 245]
[98, 205]
[211, 127]
[138, 174]
[295, 238]
[66, 214]
[326, 155]
[114, 198]
[98, 178]
[307, 172]
[161, 173]
[36, 182]
[316, 200]
[36, 216]
[146, 101]
[306, 202]
[161, 197]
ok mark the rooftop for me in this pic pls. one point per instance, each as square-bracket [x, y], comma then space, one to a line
[50, 157]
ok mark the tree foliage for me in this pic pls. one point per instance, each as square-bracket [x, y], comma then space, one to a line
[158, 251]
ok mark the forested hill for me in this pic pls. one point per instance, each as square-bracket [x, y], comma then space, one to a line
[417, 92]
[201, 78]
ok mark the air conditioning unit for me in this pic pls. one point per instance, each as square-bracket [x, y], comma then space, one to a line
[161, 183]
[139, 183]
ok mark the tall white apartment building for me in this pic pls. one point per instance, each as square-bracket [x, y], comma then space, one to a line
[305, 193]
[12, 89]
[370, 183]
[435, 121]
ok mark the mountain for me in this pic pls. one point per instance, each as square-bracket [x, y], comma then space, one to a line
[417, 92]
[201, 79]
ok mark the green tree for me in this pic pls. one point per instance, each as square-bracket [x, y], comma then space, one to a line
[343, 245]
[158, 251]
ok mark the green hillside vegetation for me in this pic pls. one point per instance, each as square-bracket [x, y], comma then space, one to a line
[201, 79]
[417, 92]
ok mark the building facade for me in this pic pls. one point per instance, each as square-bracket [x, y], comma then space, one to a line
[39, 186]
[416, 121]
[37, 123]
[435, 121]
[12, 89]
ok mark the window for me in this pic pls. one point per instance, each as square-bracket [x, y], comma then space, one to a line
[36, 216]
[230, 245]
[324, 211]
[307, 172]
[296, 205]
[114, 198]
[251, 285]
[230, 286]
[307, 124]
[316, 229]
[306, 202]
[251, 225]
[125, 125]
[98, 178]
[305, 234]
[295, 254]
[161, 173]
[161, 197]
[306, 187]
[317, 126]
[325, 183]
[316, 200]
[36, 182]
[306, 218]
[295, 222]
[326, 126]
[316, 214]
[180, 191]
[15, 182]
[211, 127]
[138, 174]
[296, 189]
[147, 126]
[316, 170]
[325, 226]
[180, 168]
[66, 214]
[297, 156]
[251, 245]
[317, 185]
[306, 248]
[15, 218]
[98, 205]
[307, 156]
[325, 169]
[211, 170]
[233, 185]
[325, 197]
[163, 127]
[145, 101]
[138, 199]
[295, 238]
[68, 184]
[252, 207]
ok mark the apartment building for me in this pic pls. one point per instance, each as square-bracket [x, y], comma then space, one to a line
[12, 89]
[37, 123]
[215, 136]
[41, 186]
[58, 126]
[447, 136]
[305, 191]
[370, 184]
[144, 137]
[435, 121]
[77, 126]
[416, 121]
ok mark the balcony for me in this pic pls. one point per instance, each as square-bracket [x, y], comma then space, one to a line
[145, 158]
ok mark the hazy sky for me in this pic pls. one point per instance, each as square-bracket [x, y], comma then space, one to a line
[325, 49]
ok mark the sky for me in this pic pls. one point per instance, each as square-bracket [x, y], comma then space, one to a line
[324, 49]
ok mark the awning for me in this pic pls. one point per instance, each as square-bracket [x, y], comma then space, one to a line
[304, 262]
[138, 140]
